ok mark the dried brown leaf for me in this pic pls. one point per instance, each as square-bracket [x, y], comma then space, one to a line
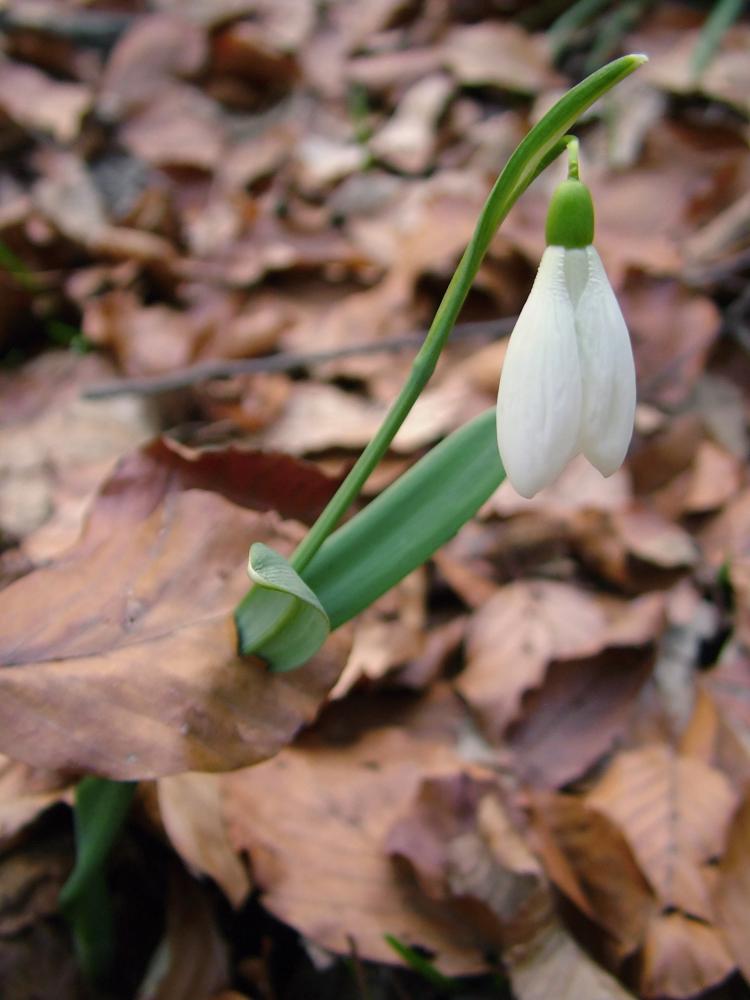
[555, 965]
[192, 961]
[131, 668]
[732, 894]
[674, 812]
[574, 718]
[315, 819]
[682, 958]
[190, 809]
[154, 51]
[36, 101]
[180, 126]
[499, 54]
[606, 876]
[514, 637]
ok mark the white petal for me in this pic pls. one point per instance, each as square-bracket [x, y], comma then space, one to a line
[539, 401]
[607, 372]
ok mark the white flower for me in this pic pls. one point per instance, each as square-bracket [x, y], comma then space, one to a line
[568, 380]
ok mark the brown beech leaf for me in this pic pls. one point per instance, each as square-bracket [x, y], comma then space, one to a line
[315, 823]
[555, 965]
[25, 793]
[575, 717]
[673, 330]
[120, 658]
[36, 101]
[512, 639]
[607, 878]
[727, 536]
[154, 51]
[526, 626]
[179, 127]
[728, 683]
[498, 54]
[190, 809]
[55, 447]
[682, 957]
[192, 961]
[674, 812]
[732, 895]
[464, 846]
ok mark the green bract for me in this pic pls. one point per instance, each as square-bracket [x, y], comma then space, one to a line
[570, 218]
[287, 624]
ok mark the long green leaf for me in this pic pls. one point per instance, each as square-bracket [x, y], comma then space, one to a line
[408, 521]
[101, 807]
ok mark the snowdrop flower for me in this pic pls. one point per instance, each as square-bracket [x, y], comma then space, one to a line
[568, 380]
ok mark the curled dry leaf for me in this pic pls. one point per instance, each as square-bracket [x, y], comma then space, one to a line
[55, 447]
[555, 965]
[120, 658]
[315, 822]
[465, 848]
[25, 793]
[154, 51]
[527, 625]
[192, 960]
[576, 716]
[674, 812]
[682, 957]
[582, 844]
[36, 101]
[732, 895]
[498, 54]
[190, 809]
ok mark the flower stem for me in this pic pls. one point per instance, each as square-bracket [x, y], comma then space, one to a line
[571, 145]
[543, 143]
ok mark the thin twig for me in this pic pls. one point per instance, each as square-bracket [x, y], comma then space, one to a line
[152, 385]
[100, 29]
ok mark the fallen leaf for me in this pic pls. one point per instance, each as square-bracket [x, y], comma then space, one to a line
[574, 718]
[732, 894]
[192, 960]
[673, 330]
[132, 670]
[525, 626]
[190, 809]
[606, 878]
[407, 140]
[674, 812]
[555, 965]
[25, 793]
[37, 101]
[55, 447]
[388, 634]
[725, 538]
[682, 957]
[179, 127]
[315, 819]
[498, 54]
[155, 50]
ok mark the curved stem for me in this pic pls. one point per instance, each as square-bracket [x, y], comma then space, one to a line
[536, 150]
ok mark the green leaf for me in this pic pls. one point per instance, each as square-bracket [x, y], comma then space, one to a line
[101, 807]
[408, 521]
[421, 965]
[280, 619]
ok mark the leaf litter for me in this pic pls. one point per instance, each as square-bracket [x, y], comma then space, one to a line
[531, 759]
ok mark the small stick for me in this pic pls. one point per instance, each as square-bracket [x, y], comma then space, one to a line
[152, 385]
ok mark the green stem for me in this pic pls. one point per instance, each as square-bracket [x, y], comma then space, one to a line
[531, 156]
[572, 148]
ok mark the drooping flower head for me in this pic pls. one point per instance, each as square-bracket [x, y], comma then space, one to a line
[568, 379]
